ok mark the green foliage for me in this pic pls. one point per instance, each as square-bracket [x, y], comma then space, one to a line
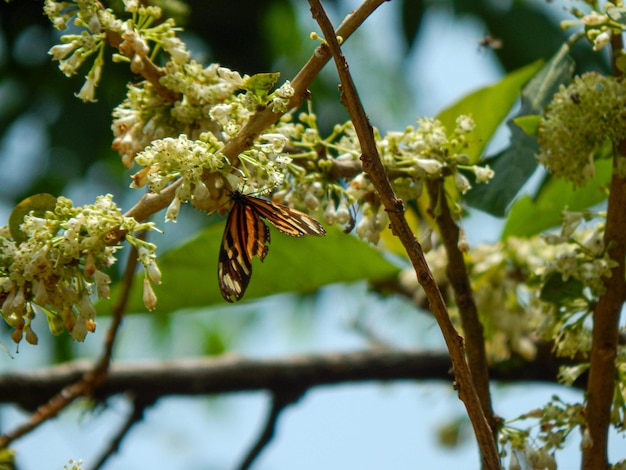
[531, 215]
[515, 164]
[488, 107]
[37, 205]
[293, 265]
[559, 291]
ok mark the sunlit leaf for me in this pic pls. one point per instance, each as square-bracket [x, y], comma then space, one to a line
[488, 107]
[38, 204]
[261, 84]
[528, 217]
[302, 265]
[529, 124]
[515, 165]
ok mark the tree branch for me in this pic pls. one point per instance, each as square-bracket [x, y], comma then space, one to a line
[606, 315]
[456, 272]
[229, 374]
[373, 166]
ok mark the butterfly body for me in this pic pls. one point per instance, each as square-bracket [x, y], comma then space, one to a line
[246, 236]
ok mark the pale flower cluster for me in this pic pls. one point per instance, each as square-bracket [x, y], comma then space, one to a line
[545, 430]
[504, 284]
[581, 119]
[96, 21]
[60, 265]
[145, 115]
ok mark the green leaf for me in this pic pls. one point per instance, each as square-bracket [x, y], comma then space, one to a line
[529, 124]
[488, 106]
[38, 204]
[516, 164]
[529, 217]
[189, 271]
[617, 14]
[560, 292]
[261, 84]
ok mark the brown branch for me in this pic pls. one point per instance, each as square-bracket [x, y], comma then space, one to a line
[90, 379]
[229, 374]
[606, 315]
[456, 272]
[376, 171]
[605, 333]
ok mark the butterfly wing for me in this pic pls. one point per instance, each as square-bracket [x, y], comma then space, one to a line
[245, 236]
[287, 220]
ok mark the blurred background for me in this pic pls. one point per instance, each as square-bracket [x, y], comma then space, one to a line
[412, 58]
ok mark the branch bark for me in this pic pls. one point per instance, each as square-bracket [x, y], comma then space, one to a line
[456, 272]
[605, 333]
[229, 374]
[606, 315]
[395, 208]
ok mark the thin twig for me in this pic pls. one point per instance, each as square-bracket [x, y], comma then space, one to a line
[93, 377]
[373, 166]
[456, 272]
[280, 400]
[135, 416]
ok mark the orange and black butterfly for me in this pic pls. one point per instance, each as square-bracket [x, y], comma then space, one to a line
[246, 235]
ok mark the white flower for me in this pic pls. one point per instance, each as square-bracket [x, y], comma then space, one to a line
[61, 51]
[429, 165]
[464, 124]
[462, 183]
[483, 174]
[594, 19]
[88, 90]
[173, 210]
[149, 297]
[330, 214]
[230, 76]
[601, 40]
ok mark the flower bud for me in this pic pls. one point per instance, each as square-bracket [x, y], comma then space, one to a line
[149, 297]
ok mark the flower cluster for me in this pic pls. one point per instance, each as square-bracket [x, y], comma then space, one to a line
[554, 423]
[581, 119]
[96, 22]
[145, 115]
[409, 157]
[504, 283]
[599, 26]
[572, 283]
[60, 263]
[171, 159]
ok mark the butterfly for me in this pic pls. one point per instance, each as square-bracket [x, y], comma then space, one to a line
[246, 235]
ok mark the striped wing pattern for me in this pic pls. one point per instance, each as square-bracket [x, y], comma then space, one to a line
[246, 235]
